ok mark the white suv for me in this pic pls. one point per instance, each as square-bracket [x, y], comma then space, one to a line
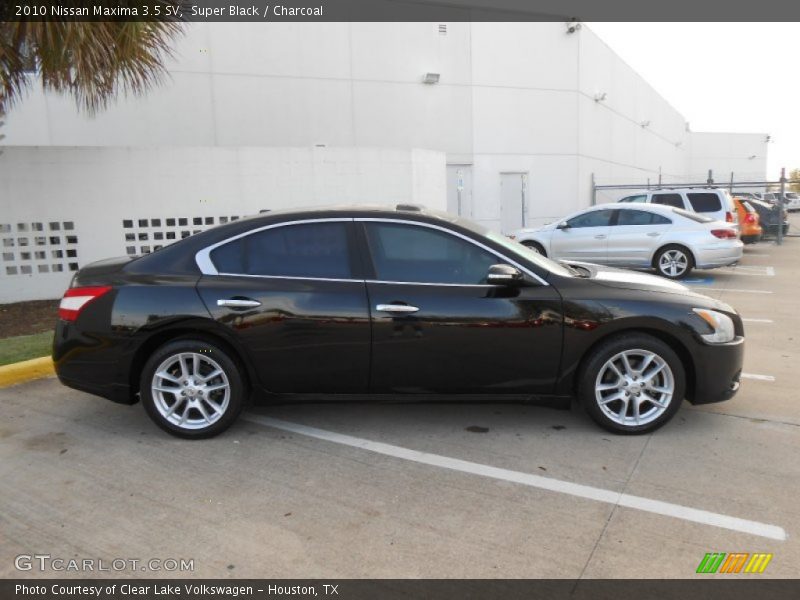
[714, 203]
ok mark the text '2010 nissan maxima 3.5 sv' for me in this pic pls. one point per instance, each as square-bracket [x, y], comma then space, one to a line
[385, 302]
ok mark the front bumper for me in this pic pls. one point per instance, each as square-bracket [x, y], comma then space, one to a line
[717, 370]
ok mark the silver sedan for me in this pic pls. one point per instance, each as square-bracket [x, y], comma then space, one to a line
[670, 240]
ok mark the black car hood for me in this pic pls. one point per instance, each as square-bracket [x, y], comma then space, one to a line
[635, 280]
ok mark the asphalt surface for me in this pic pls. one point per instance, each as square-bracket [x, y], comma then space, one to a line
[84, 478]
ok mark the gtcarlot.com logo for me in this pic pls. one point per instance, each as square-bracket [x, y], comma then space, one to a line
[734, 562]
[46, 562]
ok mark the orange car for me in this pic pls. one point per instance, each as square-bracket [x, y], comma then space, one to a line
[748, 222]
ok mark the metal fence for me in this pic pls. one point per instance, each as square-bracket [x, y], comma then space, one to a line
[778, 187]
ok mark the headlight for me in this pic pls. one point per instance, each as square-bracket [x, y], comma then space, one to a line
[721, 323]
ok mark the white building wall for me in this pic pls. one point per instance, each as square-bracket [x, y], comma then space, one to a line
[743, 154]
[512, 98]
[88, 194]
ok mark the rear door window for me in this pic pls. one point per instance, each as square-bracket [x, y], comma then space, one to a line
[640, 217]
[638, 198]
[314, 250]
[704, 202]
[675, 200]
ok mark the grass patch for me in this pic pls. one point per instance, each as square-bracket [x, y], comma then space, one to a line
[24, 347]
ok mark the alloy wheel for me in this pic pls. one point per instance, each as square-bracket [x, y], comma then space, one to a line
[673, 263]
[191, 390]
[634, 387]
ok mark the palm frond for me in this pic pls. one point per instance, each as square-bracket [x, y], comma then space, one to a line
[93, 61]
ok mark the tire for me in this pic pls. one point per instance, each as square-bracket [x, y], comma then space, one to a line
[673, 262]
[598, 382]
[535, 246]
[193, 411]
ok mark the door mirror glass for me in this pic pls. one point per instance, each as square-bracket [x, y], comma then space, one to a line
[504, 275]
[563, 225]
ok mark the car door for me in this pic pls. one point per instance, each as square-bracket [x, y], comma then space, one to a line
[293, 297]
[583, 238]
[634, 235]
[438, 326]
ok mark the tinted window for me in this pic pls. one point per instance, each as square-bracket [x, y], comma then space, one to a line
[668, 199]
[594, 218]
[641, 198]
[641, 217]
[418, 254]
[307, 250]
[705, 202]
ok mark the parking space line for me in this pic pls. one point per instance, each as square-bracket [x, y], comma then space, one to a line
[757, 320]
[773, 532]
[716, 289]
[757, 377]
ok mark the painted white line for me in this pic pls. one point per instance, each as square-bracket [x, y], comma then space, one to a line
[757, 377]
[760, 272]
[716, 289]
[757, 320]
[668, 509]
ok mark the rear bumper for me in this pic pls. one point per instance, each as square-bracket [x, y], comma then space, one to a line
[751, 239]
[90, 363]
[718, 255]
[717, 370]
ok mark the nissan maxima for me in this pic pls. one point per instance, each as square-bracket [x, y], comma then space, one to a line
[380, 303]
[673, 241]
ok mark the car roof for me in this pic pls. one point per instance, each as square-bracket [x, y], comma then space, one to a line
[658, 208]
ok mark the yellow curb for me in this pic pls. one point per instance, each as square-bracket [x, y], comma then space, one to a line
[27, 370]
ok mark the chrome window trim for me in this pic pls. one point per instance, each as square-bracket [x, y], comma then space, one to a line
[203, 257]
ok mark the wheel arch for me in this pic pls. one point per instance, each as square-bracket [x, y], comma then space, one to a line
[668, 338]
[186, 330]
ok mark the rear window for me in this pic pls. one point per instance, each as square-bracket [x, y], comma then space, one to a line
[705, 202]
[698, 218]
[668, 200]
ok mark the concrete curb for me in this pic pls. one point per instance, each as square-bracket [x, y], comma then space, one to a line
[27, 370]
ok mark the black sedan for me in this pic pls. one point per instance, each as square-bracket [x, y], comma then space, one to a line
[384, 302]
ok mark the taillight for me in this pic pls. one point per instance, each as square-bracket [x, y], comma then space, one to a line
[750, 218]
[76, 299]
[724, 234]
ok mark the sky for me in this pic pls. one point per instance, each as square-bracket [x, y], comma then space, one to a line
[740, 77]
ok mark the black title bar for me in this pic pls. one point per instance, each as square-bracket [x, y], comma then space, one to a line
[398, 10]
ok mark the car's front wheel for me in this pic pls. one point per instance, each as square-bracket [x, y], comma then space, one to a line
[673, 262]
[192, 388]
[632, 384]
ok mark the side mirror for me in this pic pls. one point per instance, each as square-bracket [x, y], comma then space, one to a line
[563, 225]
[504, 275]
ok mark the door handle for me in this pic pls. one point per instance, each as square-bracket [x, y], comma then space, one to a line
[396, 308]
[653, 234]
[600, 237]
[238, 303]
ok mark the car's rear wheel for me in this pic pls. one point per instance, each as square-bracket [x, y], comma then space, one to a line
[535, 246]
[673, 262]
[632, 384]
[192, 388]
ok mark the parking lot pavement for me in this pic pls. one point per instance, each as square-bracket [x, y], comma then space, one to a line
[84, 478]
